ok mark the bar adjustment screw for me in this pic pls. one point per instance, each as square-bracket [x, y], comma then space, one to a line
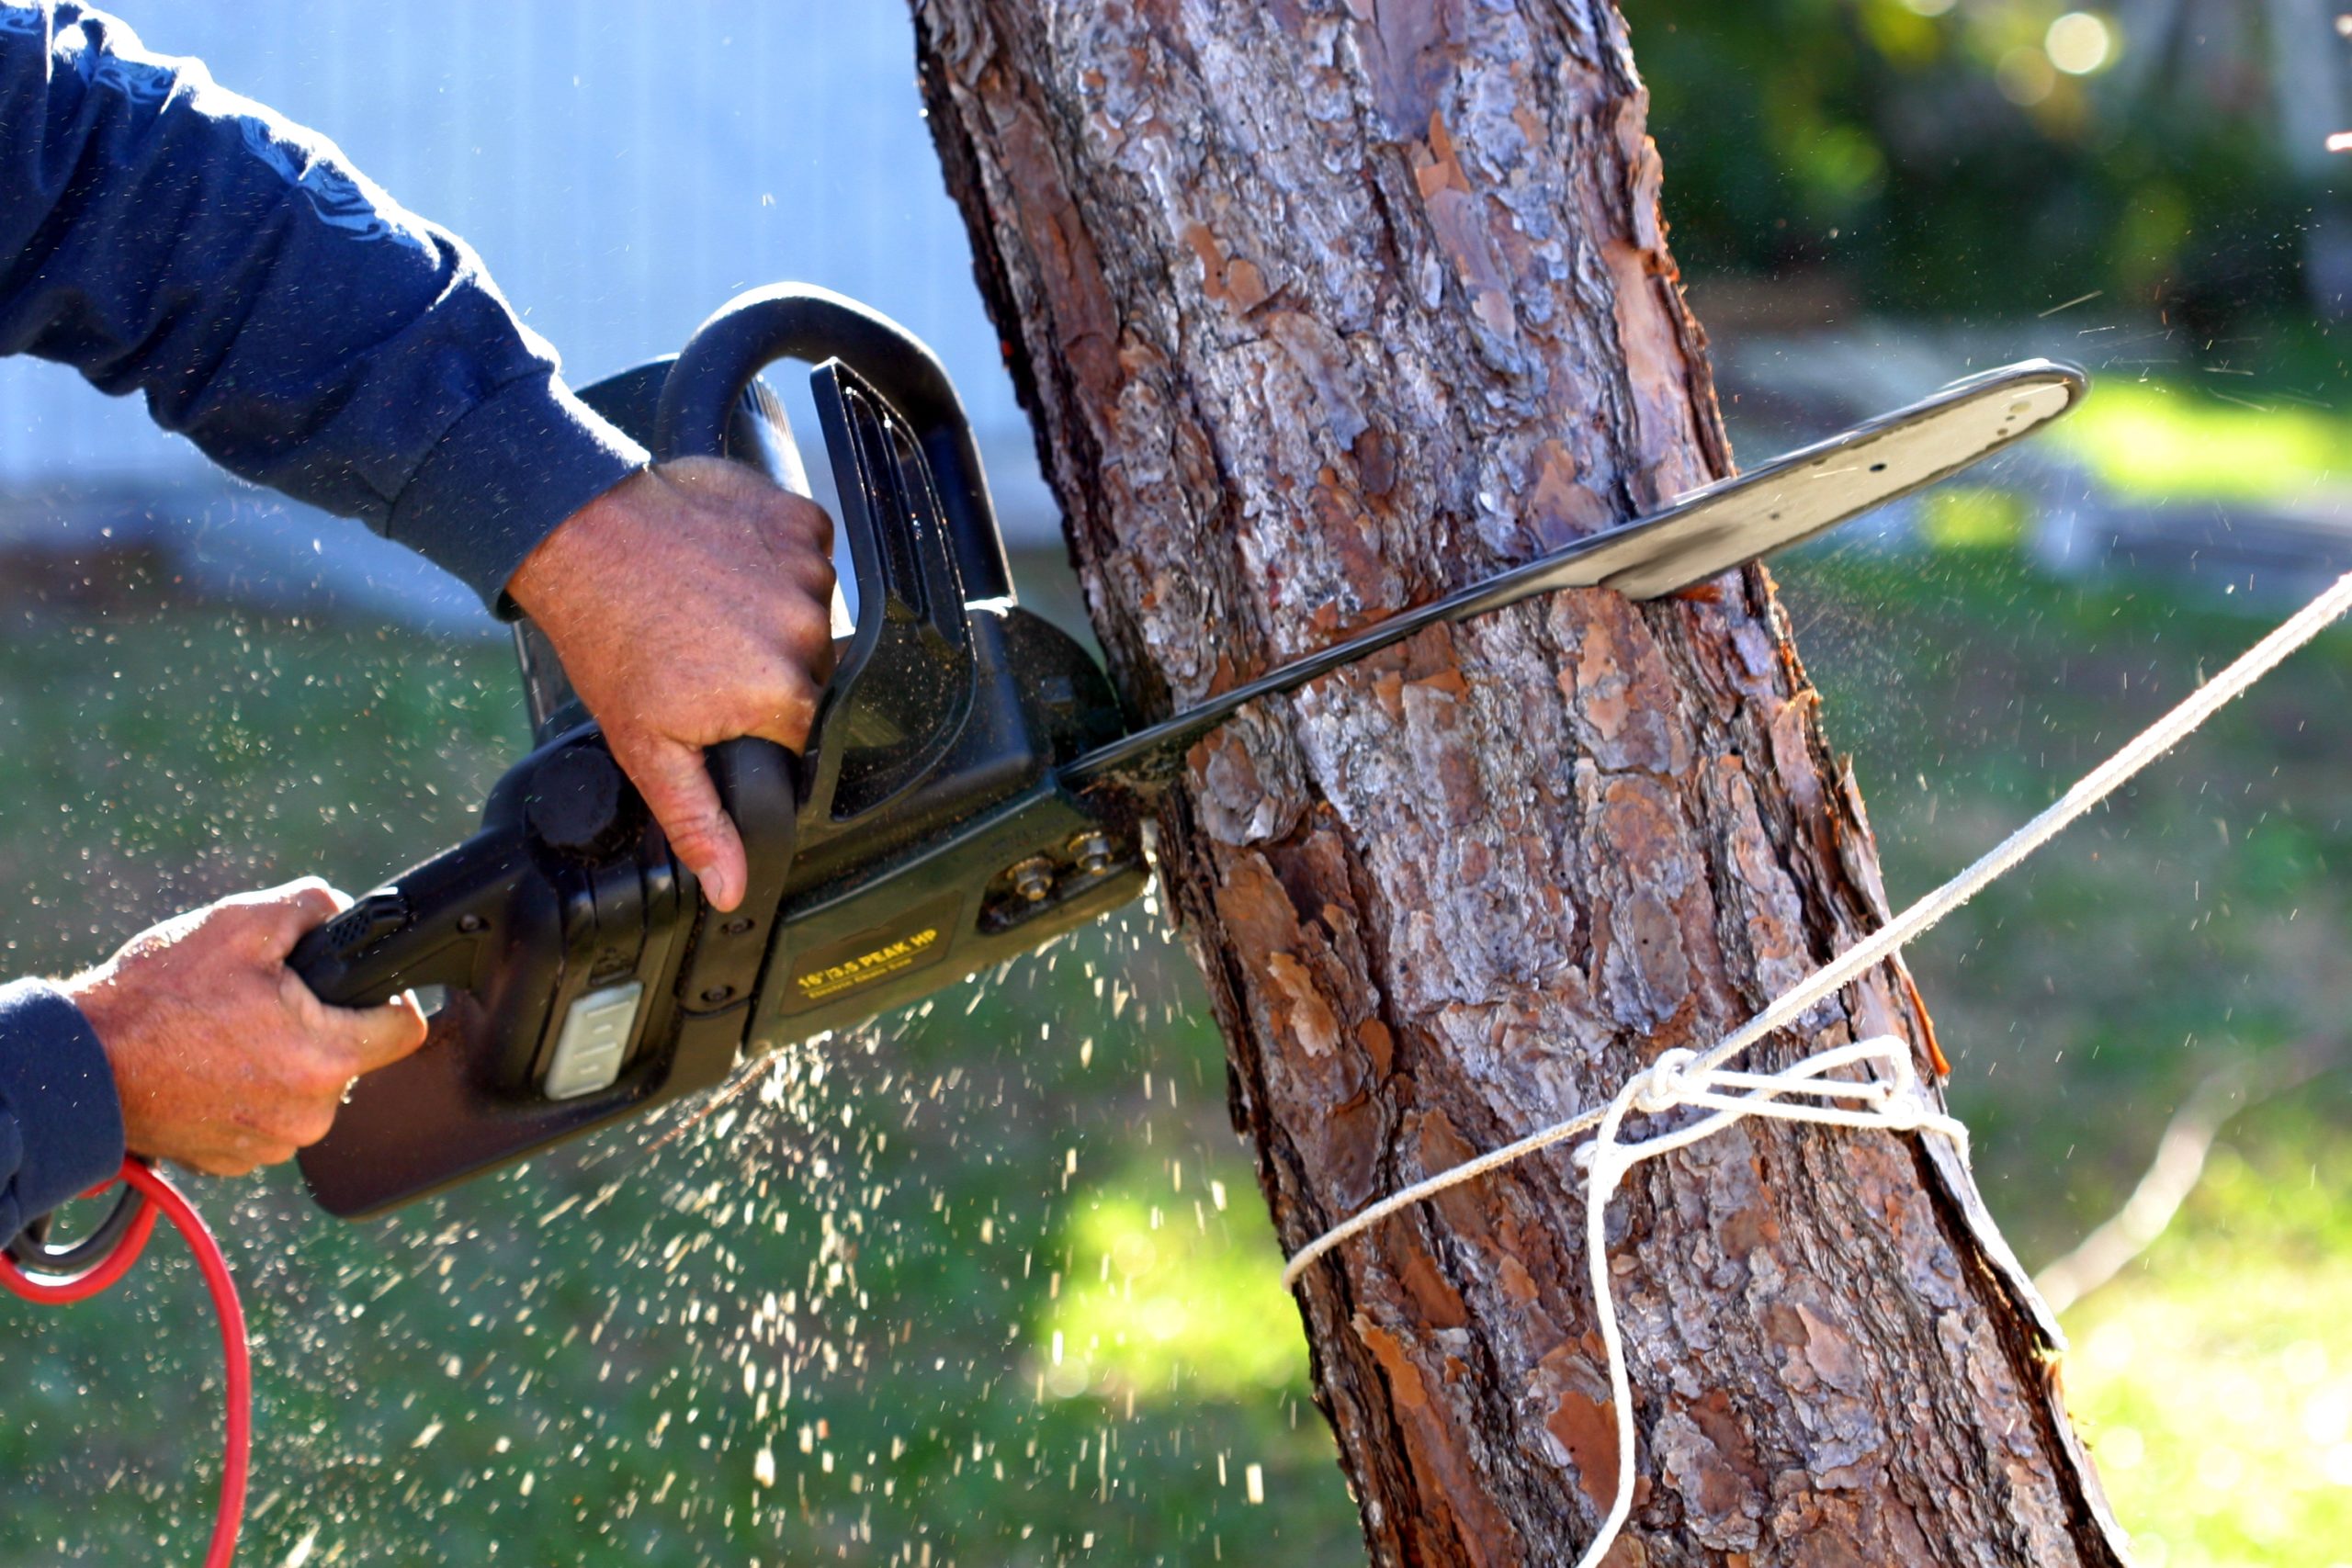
[1092, 851]
[1033, 878]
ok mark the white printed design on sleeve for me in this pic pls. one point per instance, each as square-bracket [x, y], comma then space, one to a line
[311, 164]
[341, 200]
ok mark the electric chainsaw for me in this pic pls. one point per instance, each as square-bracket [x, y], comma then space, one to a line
[970, 788]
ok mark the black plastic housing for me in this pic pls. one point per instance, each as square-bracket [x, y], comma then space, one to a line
[923, 836]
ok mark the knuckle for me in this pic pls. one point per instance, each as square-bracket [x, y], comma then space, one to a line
[807, 628]
[780, 709]
[819, 664]
[312, 895]
[816, 526]
[697, 838]
[819, 575]
[694, 823]
[802, 688]
[313, 1126]
[321, 1081]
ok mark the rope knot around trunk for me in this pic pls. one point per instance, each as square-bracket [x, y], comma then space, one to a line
[1665, 1085]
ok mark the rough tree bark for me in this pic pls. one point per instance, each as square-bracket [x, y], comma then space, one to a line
[1323, 306]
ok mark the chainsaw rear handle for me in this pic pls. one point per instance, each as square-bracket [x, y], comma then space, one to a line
[423, 930]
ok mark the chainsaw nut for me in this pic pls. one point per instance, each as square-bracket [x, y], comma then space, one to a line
[1033, 878]
[1092, 851]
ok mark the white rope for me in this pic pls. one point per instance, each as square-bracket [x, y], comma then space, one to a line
[1681, 1077]
[1677, 1078]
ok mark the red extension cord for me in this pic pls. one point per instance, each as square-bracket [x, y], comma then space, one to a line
[161, 1194]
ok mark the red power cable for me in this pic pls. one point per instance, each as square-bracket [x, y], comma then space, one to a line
[161, 1194]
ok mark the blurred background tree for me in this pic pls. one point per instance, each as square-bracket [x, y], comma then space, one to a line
[1944, 158]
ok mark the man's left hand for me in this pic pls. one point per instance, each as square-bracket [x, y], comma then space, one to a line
[691, 604]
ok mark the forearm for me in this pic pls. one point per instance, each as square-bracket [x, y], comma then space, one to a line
[165, 236]
[60, 1124]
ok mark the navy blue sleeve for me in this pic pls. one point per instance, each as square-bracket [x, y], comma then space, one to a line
[165, 236]
[61, 1125]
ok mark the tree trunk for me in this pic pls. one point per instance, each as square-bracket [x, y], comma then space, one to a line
[1323, 306]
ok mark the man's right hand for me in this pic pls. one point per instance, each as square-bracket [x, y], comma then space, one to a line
[690, 604]
[223, 1057]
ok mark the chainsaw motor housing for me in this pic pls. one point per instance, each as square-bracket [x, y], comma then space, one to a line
[923, 835]
[968, 790]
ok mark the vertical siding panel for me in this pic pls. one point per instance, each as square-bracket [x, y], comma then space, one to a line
[608, 161]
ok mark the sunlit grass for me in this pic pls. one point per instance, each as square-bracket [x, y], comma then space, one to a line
[1971, 517]
[2181, 441]
[1168, 1291]
[2215, 1383]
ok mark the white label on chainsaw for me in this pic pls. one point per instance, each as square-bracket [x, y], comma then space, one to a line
[594, 1037]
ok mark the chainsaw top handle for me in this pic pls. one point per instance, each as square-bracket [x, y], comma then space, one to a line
[797, 320]
[921, 535]
[757, 780]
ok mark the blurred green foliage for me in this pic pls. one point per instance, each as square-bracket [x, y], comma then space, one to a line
[2196, 921]
[1929, 157]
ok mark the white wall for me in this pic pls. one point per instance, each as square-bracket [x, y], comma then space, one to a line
[623, 168]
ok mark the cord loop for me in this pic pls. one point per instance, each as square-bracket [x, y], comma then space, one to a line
[1666, 1084]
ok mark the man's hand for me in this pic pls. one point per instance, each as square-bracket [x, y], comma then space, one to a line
[690, 606]
[223, 1057]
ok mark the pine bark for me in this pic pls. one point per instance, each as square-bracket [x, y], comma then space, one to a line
[1322, 307]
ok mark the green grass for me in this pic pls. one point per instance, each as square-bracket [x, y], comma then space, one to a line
[822, 1326]
[2214, 1382]
[2214, 439]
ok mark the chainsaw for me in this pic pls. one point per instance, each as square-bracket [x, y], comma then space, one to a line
[970, 787]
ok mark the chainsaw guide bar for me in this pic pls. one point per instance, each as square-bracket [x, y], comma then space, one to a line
[971, 787]
[1697, 537]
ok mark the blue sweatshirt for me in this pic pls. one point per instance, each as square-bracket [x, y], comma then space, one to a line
[165, 236]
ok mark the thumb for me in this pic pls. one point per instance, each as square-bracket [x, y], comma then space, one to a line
[379, 1036]
[362, 1039]
[677, 789]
